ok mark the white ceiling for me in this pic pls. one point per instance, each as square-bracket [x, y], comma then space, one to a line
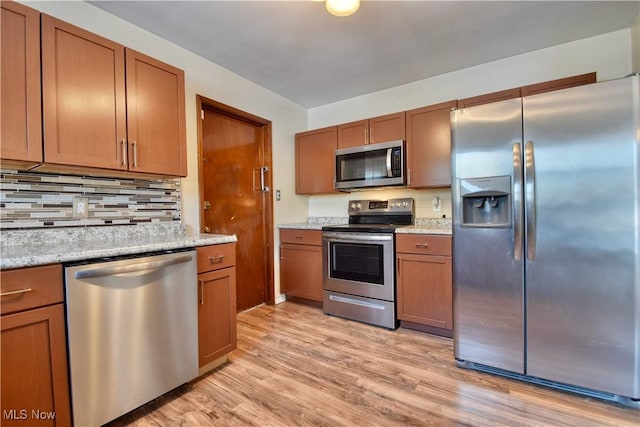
[300, 51]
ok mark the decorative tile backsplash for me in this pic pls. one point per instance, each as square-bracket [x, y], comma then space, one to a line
[31, 200]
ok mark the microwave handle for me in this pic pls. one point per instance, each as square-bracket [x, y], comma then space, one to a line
[389, 172]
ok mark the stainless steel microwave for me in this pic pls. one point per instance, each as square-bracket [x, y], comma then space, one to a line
[372, 165]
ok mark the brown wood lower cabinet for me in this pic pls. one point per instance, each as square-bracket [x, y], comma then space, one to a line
[216, 304]
[424, 285]
[35, 384]
[301, 263]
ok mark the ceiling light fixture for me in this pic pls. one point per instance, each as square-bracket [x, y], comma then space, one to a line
[342, 7]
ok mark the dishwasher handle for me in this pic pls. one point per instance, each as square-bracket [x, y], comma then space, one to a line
[131, 268]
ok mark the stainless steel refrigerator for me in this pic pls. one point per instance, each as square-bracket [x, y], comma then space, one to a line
[546, 238]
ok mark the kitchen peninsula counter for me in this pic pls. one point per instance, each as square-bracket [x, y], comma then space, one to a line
[27, 248]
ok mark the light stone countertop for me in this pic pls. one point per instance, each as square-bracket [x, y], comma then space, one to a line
[49, 248]
[424, 229]
[316, 223]
[422, 225]
[302, 226]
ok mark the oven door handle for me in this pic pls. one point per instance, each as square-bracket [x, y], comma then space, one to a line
[357, 238]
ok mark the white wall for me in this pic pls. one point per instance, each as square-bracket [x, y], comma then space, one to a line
[205, 78]
[635, 45]
[609, 55]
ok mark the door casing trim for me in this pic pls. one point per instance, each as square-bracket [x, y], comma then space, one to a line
[218, 107]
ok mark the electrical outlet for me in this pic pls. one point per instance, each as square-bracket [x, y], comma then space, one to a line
[436, 204]
[80, 207]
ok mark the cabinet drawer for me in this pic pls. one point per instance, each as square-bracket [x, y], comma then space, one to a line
[423, 244]
[301, 237]
[215, 257]
[27, 288]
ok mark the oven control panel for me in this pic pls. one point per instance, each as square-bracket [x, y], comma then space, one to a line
[394, 206]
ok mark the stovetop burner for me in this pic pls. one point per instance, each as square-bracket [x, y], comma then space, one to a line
[377, 216]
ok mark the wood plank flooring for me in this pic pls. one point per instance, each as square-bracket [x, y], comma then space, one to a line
[295, 366]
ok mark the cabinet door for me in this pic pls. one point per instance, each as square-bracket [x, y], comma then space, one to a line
[429, 146]
[301, 271]
[155, 116]
[558, 84]
[34, 368]
[21, 121]
[390, 127]
[353, 134]
[83, 91]
[489, 98]
[216, 314]
[425, 290]
[315, 161]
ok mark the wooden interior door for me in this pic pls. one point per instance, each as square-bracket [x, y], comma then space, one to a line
[234, 146]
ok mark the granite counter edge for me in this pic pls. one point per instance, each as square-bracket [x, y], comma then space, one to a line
[11, 262]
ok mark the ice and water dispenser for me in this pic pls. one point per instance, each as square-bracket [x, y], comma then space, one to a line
[486, 202]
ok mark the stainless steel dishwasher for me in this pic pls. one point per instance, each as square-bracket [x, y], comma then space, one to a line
[133, 332]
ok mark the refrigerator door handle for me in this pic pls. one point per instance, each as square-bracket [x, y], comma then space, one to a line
[517, 202]
[530, 196]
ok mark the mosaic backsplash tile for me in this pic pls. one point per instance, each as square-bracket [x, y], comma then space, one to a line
[31, 200]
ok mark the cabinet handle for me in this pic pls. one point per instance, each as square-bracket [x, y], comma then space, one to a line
[422, 245]
[19, 291]
[216, 259]
[366, 136]
[135, 154]
[371, 140]
[408, 176]
[201, 283]
[123, 145]
[299, 237]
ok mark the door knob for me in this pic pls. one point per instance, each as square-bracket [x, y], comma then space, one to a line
[207, 229]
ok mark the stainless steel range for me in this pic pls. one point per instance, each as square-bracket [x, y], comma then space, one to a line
[359, 261]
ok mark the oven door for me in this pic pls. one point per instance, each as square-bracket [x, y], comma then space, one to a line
[359, 264]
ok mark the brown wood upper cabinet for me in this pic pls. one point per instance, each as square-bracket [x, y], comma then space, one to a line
[315, 157]
[567, 82]
[533, 89]
[97, 116]
[21, 135]
[429, 146]
[389, 127]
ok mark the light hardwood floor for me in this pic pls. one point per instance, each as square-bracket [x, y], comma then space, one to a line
[295, 366]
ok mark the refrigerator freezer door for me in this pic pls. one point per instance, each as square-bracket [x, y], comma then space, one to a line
[487, 268]
[583, 284]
